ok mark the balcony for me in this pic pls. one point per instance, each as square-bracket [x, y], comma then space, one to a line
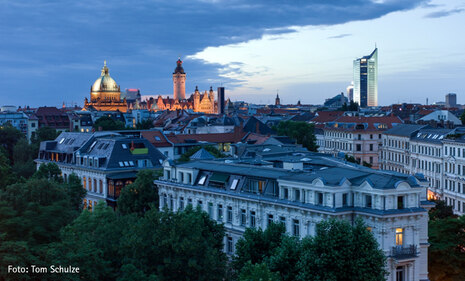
[404, 252]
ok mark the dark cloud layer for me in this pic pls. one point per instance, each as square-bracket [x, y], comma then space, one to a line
[51, 51]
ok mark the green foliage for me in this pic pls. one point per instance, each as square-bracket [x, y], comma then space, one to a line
[446, 259]
[44, 134]
[302, 132]
[6, 177]
[351, 159]
[23, 155]
[352, 106]
[106, 123]
[213, 150]
[441, 211]
[49, 171]
[145, 124]
[256, 245]
[257, 272]
[366, 164]
[9, 136]
[139, 196]
[338, 251]
[32, 213]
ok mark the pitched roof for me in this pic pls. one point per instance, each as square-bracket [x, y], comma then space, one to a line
[202, 154]
[404, 130]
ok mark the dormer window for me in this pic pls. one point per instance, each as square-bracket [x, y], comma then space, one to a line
[400, 202]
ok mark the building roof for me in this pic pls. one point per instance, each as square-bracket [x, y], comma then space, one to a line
[431, 135]
[202, 154]
[356, 123]
[404, 130]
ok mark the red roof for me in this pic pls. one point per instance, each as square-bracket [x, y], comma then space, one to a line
[326, 116]
[372, 122]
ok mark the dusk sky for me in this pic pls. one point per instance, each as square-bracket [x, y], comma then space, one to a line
[52, 51]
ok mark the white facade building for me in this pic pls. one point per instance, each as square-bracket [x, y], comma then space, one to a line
[240, 196]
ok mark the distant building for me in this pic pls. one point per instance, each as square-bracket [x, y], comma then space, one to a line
[133, 98]
[104, 161]
[366, 80]
[350, 92]
[105, 94]
[336, 101]
[52, 117]
[26, 124]
[277, 101]
[179, 81]
[221, 101]
[441, 116]
[451, 100]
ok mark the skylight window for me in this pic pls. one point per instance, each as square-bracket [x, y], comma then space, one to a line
[62, 140]
[126, 164]
[124, 146]
[121, 164]
[202, 180]
[157, 138]
[131, 163]
[234, 184]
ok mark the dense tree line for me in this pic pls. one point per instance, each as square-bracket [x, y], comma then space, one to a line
[302, 132]
[446, 260]
[338, 251]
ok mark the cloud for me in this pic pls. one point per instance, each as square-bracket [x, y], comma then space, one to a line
[148, 36]
[444, 13]
[339, 36]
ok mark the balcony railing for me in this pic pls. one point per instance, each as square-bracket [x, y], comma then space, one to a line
[404, 251]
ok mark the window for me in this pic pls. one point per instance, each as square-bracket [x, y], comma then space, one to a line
[243, 217]
[297, 195]
[171, 202]
[371, 137]
[368, 201]
[234, 184]
[95, 185]
[200, 204]
[202, 180]
[371, 147]
[320, 198]
[210, 209]
[230, 215]
[101, 187]
[252, 219]
[399, 236]
[345, 201]
[220, 213]
[255, 186]
[229, 245]
[400, 273]
[189, 201]
[400, 202]
[296, 227]
[181, 203]
[359, 147]
[270, 219]
[286, 193]
[283, 221]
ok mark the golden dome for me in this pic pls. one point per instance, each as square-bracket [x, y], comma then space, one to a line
[105, 83]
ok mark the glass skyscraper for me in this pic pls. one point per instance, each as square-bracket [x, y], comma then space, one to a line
[366, 80]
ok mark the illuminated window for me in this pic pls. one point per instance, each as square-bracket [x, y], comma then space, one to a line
[369, 229]
[399, 236]
[84, 183]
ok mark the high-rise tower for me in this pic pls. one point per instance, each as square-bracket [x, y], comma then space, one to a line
[366, 80]
[179, 81]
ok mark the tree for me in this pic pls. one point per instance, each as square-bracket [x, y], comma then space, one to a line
[9, 136]
[24, 154]
[5, 172]
[340, 251]
[145, 124]
[462, 117]
[213, 151]
[49, 171]
[139, 196]
[32, 213]
[44, 134]
[302, 132]
[284, 259]
[257, 272]
[447, 243]
[185, 245]
[256, 245]
[106, 123]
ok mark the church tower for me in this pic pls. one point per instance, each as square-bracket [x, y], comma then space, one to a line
[179, 81]
[277, 101]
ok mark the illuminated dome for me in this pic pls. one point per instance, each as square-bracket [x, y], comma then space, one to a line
[105, 83]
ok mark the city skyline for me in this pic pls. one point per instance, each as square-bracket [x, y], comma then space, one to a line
[59, 48]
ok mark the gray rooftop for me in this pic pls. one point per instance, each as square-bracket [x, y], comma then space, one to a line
[404, 130]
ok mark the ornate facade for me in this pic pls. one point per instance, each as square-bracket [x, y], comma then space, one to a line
[105, 94]
[198, 102]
